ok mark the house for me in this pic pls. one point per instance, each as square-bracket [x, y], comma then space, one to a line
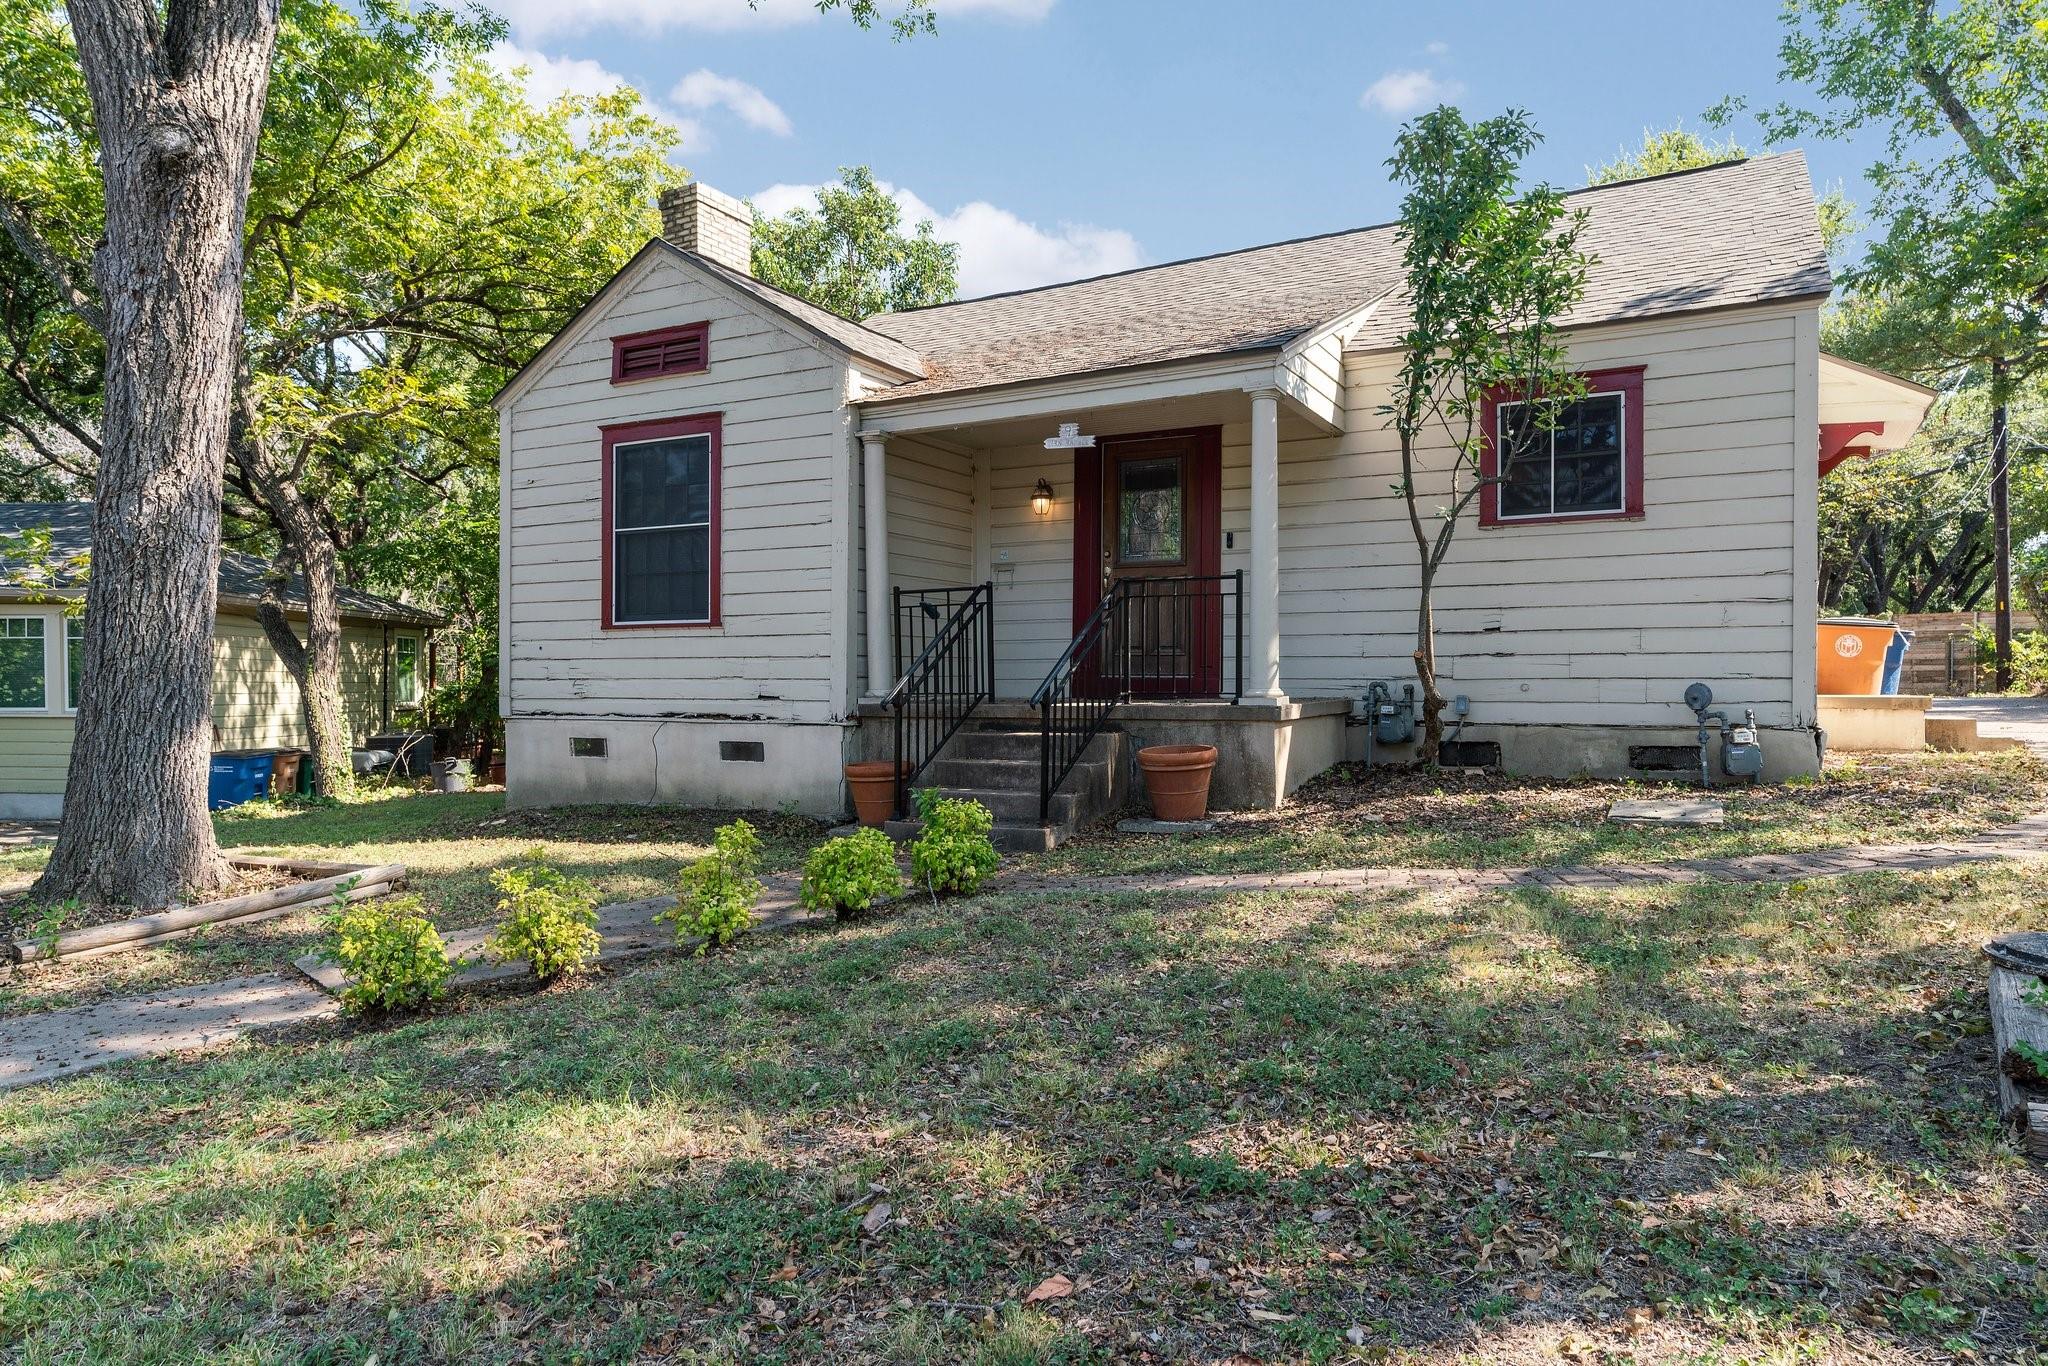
[745, 540]
[255, 700]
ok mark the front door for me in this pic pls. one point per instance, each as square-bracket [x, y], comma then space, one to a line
[1155, 518]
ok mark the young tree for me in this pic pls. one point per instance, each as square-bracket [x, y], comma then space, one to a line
[850, 254]
[1665, 150]
[1490, 273]
[176, 96]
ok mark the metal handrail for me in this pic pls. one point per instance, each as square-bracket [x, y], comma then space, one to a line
[950, 675]
[1108, 660]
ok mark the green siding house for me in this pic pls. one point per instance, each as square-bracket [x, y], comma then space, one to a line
[255, 702]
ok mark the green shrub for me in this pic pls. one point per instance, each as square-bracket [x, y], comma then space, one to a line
[715, 894]
[550, 917]
[2029, 659]
[953, 852]
[393, 955]
[851, 873]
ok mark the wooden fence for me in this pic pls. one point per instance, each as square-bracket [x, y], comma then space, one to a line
[1942, 660]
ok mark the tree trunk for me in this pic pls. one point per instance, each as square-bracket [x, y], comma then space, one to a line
[177, 104]
[1425, 672]
[2001, 529]
[316, 664]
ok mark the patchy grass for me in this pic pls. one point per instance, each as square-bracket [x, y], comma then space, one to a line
[449, 843]
[1688, 1123]
[1383, 817]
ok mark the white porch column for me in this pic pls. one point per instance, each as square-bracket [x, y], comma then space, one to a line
[875, 504]
[1262, 580]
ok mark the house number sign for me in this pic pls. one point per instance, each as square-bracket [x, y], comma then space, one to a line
[1070, 438]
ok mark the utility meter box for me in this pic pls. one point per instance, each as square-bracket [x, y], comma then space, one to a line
[1393, 719]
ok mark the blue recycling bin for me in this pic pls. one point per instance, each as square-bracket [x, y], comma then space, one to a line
[1895, 661]
[237, 778]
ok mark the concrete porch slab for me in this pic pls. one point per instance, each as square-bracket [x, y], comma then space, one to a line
[1148, 826]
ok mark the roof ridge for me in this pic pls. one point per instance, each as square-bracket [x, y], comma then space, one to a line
[1283, 242]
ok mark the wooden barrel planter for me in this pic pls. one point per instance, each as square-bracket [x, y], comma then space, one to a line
[2019, 1033]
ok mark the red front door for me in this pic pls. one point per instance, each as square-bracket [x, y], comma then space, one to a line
[1150, 510]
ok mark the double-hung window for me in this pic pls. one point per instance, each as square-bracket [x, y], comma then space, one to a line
[24, 671]
[1581, 461]
[661, 523]
[405, 671]
[74, 659]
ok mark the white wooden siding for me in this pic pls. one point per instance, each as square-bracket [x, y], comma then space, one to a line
[1596, 623]
[783, 435]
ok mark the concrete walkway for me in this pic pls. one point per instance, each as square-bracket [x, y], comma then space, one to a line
[62, 1043]
[2017, 718]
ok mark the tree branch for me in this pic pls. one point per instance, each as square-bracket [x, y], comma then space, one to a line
[31, 245]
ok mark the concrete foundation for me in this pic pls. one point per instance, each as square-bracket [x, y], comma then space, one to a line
[1875, 724]
[31, 806]
[1605, 751]
[722, 765]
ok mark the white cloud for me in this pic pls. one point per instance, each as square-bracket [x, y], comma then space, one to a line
[703, 89]
[533, 17]
[1407, 90]
[1437, 49]
[998, 249]
[549, 78]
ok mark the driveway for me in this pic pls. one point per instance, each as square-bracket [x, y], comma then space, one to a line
[2021, 718]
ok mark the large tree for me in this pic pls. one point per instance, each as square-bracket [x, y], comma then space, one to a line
[851, 255]
[1958, 264]
[416, 228]
[1491, 268]
[176, 95]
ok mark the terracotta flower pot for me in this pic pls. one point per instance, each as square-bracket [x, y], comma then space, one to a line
[1177, 779]
[874, 789]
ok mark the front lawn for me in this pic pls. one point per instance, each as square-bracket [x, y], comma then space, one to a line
[449, 845]
[1684, 1123]
[1352, 817]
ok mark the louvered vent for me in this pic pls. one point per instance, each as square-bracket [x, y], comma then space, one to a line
[674, 351]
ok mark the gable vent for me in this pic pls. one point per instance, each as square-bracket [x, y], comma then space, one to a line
[671, 351]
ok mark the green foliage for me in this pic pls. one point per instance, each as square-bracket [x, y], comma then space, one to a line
[850, 255]
[715, 894]
[1490, 268]
[550, 917]
[953, 852]
[851, 873]
[2029, 658]
[1665, 150]
[394, 957]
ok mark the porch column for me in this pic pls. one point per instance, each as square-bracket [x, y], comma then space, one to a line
[1262, 578]
[881, 616]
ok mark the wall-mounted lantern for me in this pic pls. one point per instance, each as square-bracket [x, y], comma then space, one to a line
[1041, 498]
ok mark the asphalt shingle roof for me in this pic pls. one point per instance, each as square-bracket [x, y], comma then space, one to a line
[241, 576]
[1742, 232]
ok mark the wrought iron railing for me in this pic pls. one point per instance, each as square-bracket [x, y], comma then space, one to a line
[948, 636]
[1148, 638]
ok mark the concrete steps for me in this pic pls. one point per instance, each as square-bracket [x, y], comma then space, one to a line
[995, 762]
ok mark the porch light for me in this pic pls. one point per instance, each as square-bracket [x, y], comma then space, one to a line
[1041, 498]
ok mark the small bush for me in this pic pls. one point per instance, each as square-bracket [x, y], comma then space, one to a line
[715, 894]
[953, 853]
[851, 873]
[550, 917]
[394, 957]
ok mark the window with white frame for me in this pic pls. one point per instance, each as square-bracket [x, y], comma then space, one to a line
[405, 671]
[74, 659]
[24, 664]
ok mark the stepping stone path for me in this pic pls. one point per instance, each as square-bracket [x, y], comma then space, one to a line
[1683, 811]
[62, 1043]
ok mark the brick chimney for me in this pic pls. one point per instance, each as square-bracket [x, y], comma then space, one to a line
[698, 218]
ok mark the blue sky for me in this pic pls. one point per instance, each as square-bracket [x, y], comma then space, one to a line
[1059, 138]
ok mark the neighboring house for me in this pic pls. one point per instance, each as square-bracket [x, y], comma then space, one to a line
[255, 701]
[727, 513]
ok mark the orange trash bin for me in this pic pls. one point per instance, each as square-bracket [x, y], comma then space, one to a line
[1850, 655]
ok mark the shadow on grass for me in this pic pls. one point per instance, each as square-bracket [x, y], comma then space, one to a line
[1432, 1116]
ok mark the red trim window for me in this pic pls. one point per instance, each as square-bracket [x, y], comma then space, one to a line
[682, 350]
[660, 510]
[1587, 467]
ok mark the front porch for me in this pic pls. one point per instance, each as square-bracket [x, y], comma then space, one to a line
[1121, 577]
